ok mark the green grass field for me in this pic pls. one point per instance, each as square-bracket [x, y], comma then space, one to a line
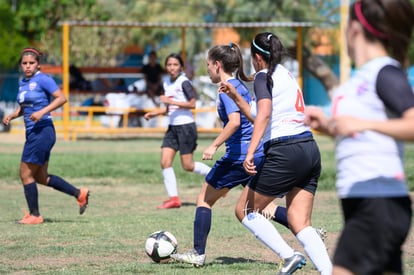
[126, 186]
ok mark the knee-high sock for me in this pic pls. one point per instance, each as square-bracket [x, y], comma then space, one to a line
[170, 181]
[201, 168]
[63, 186]
[32, 198]
[280, 216]
[316, 250]
[202, 225]
[267, 234]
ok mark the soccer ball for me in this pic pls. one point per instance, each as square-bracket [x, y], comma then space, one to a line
[160, 245]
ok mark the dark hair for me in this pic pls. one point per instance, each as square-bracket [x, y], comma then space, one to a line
[176, 56]
[270, 48]
[231, 59]
[31, 51]
[387, 21]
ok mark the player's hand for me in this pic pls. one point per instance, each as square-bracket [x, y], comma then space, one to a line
[249, 165]
[36, 116]
[6, 120]
[209, 152]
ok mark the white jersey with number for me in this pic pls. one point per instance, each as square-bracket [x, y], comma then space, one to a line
[174, 90]
[288, 106]
[369, 164]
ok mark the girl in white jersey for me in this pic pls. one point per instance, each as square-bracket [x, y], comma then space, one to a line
[373, 112]
[292, 160]
[179, 98]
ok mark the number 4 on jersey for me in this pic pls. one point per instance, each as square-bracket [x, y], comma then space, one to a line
[300, 104]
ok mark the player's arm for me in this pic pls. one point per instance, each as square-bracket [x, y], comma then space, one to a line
[231, 127]
[58, 100]
[17, 113]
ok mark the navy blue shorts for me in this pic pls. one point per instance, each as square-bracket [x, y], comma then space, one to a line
[375, 229]
[39, 144]
[181, 138]
[288, 164]
[228, 173]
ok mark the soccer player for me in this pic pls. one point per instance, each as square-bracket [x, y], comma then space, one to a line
[39, 95]
[225, 64]
[292, 163]
[181, 135]
[372, 114]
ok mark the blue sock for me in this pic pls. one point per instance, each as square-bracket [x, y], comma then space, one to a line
[31, 194]
[202, 225]
[63, 186]
[281, 216]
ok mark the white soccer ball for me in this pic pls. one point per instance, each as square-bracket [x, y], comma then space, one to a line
[160, 245]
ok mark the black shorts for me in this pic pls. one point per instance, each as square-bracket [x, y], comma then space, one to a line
[375, 229]
[288, 164]
[181, 138]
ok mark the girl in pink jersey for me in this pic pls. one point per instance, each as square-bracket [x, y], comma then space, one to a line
[372, 113]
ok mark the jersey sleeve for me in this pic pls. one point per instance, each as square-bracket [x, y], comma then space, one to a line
[228, 103]
[188, 90]
[394, 89]
[260, 87]
[48, 84]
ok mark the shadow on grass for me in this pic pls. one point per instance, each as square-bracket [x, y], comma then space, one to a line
[231, 260]
[188, 204]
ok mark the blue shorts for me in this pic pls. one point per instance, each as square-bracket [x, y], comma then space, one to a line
[39, 144]
[181, 138]
[228, 173]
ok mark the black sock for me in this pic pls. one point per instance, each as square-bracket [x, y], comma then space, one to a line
[202, 225]
[63, 186]
[31, 194]
[281, 216]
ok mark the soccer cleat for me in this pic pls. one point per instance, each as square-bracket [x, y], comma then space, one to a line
[290, 265]
[30, 219]
[83, 200]
[322, 233]
[173, 202]
[191, 257]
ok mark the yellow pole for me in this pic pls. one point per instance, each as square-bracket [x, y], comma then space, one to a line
[65, 76]
[345, 64]
[183, 51]
[299, 55]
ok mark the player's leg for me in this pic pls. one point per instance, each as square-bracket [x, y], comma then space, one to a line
[170, 181]
[30, 193]
[202, 225]
[300, 204]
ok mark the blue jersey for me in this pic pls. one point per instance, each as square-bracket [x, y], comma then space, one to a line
[238, 143]
[35, 94]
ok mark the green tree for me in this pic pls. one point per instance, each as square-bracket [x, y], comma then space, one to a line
[11, 41]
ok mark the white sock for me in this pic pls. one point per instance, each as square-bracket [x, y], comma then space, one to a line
[170, 181]
[201, 168]
[316, 249]
[264, 230]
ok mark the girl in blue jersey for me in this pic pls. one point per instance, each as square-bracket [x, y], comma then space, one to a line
[38, 96]
[372, 113]
[292, 162]
[179, 98]
[224, 64]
